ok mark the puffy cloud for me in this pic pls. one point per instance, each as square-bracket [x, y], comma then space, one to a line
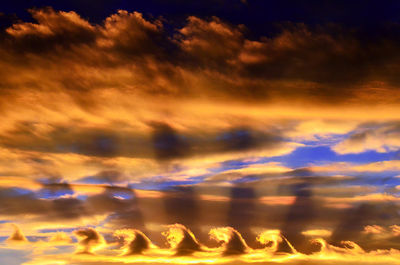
[213, 43]
[49, 23]
[130, 33]
[373, 229]
[395, 230]
[52, 30]
[61, 238]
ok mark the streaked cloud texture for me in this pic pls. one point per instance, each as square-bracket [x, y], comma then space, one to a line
[140, 140]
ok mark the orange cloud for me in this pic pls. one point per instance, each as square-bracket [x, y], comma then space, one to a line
[17, 236]
[89, 240]
[382, 139]
[124, 103]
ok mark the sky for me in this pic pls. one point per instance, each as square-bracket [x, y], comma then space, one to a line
[199, 132]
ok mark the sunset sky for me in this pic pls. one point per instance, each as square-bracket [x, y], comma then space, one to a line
[199, 132]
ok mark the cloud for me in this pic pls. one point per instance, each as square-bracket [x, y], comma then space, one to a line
[233, 242]
[135, 241]
[130, 33]
[379, 166]
[61, 238]
[317, 233]
[182, 240]
[274, 241]
[213, 43]
[200, 104]
[373, 229]
[317, 130]
[395, 230]
[205, 115]
[53, 29]
[233, 249]
[17, 235]
[166, 142]
[89, 240]
[383, 138]
[207, 57]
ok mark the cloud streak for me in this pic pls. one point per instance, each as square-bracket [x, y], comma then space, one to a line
[112, 130]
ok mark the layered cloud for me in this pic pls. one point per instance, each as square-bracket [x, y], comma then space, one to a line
[379, 137]
[111, 132]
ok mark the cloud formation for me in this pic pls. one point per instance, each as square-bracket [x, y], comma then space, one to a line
[136, 122]
[89, 240]
[234, 249]
[17, 235]
[379, 137]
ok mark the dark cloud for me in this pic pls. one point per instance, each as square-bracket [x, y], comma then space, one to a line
[135, 90]
[55, 189]
[242, 139]
[210, 43]
[126, 213]
[353, 223]
[241, 212]
[18, 202]
[108, 176]
[300, 215]
[129, 34]
[21, 202]
[95, 142]
[355, 220]
[328, 64]
[166, 143]
[67, 208]
[54, 32]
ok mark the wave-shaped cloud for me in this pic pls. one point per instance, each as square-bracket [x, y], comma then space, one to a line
[184, 247]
